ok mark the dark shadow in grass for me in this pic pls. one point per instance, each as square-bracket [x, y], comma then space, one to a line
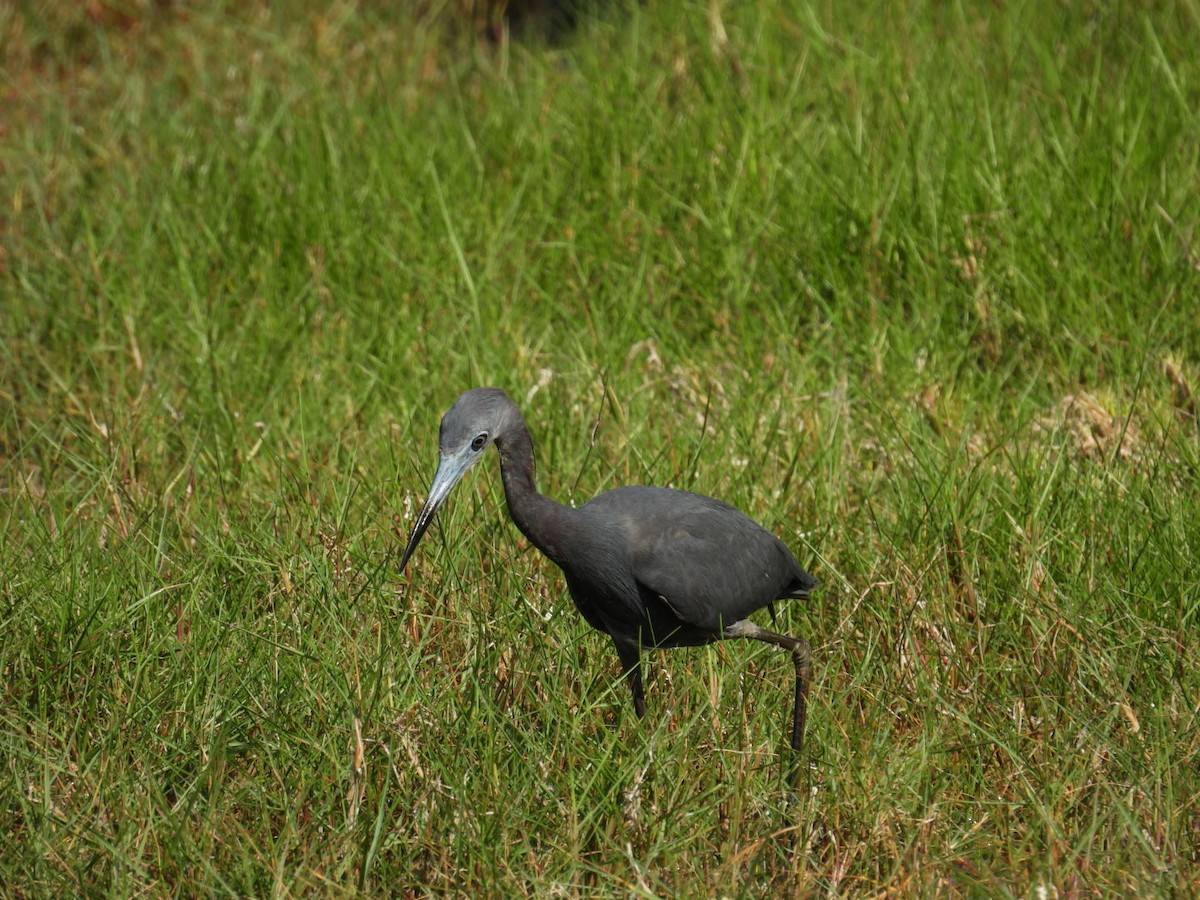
[552, 21]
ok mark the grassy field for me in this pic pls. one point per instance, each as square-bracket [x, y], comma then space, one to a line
[915, 285]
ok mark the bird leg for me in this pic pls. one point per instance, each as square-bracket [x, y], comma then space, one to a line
[631, 665]
[801, 656]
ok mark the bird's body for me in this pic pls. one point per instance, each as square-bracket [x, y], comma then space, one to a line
[658, 567]
[648, 566]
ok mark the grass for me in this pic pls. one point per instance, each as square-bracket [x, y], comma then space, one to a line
[914, 286]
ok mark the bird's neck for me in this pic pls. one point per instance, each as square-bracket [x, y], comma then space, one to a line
[545, 522]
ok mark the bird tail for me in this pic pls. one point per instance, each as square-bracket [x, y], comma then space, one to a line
[802, 586]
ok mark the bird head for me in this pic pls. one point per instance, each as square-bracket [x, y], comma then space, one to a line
[477, 419]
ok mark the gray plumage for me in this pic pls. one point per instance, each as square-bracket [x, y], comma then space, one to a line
[648, 566]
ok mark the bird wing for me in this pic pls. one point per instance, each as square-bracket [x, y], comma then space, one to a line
[711, 565]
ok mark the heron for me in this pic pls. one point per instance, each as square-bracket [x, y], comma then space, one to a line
[650, 567]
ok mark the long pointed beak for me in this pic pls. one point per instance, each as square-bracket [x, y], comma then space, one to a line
[450, 472]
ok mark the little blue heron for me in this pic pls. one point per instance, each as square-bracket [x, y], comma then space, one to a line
[650, 567]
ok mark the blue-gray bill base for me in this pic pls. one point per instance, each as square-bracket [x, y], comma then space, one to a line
[648, 566]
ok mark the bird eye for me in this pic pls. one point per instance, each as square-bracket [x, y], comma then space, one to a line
[480, 441]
